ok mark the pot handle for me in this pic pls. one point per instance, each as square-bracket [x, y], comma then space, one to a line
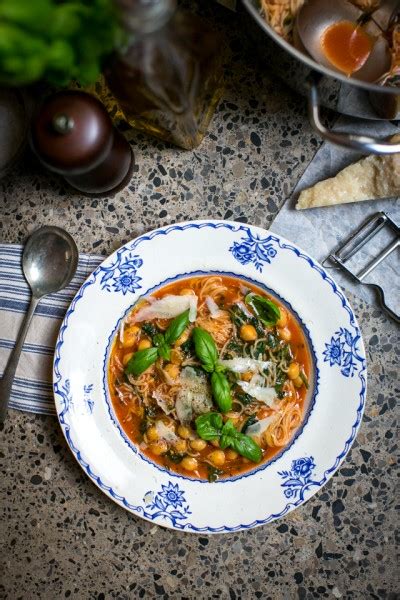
[361, 143]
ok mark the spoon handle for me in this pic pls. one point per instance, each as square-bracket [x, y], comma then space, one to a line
[8, 376]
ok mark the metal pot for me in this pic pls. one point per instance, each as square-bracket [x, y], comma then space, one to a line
[326, 87]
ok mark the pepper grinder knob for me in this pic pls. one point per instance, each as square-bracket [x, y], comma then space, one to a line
[73, 135]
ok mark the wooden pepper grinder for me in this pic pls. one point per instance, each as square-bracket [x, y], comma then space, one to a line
[73, 135]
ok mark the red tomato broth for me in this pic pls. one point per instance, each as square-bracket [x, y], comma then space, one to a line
[130, 415]
[347, 46]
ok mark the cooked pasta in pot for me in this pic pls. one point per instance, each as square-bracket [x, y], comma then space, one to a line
[209, 376]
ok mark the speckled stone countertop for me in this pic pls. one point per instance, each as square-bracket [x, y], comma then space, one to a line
[60, 536]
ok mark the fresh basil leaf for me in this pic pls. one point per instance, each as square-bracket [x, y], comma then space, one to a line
[177, 327]
[247, 447]
[163, 349]
[265, 309]
[221, 391]
[205, 348]
[158, 339]
[209, 425]
[241, 443]
[141, 361]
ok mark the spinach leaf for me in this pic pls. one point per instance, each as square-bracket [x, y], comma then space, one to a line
[177, 327]
[205, 348]
[221, 391]
[174, 457]
[244, 398]
[141, 361]
[279, 382]
[304, 379]
[149, 329]
[213, 473]
[209, 425]
[188, 347]
[250, 421]
[265, 309]
[272, 340]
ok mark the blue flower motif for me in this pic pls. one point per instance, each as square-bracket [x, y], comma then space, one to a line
[303, 466]
[333, 351]
[299, 478]
[121, 275]
[342, 351]
[253, 249]
[172, 495]
[126, 283]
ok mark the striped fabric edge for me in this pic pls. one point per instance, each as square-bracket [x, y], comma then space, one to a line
[32, 395]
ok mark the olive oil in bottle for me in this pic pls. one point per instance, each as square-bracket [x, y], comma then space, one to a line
[168, 81]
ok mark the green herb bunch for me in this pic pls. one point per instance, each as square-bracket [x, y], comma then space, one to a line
[56, 41]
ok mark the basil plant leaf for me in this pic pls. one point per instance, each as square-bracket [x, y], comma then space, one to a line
[205, 348]
[266, 310]
[141, 361]
[209, 425]
[177, 327]
[241, 443]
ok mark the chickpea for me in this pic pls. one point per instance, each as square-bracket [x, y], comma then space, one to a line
[130, 336]
[215, 443]
[180, 445]
[176, 356]
[245, 460]
[126, 358]
[198, 445]
[246, 376]
[293, 371]
[184, 432]
[144, 344]
[231, 454]
[189, 463]
[248, 333]
[284, 334]
[186, 292]
[283, 319]
[298, 382]
[152, 434]
[172, 370]
[182, 339]
[217, 457]
[158, 448]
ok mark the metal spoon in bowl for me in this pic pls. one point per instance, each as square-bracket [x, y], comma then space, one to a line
[49, 263]
[316, 16]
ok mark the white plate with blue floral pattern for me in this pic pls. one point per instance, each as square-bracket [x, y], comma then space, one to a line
[271, 490]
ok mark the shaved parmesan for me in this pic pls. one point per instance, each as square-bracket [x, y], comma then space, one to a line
[213, 307]
[168, 308]
[194, 397]
[260, 393]
[259, 427]
[165, 433]
[166, 404]
[241, 365]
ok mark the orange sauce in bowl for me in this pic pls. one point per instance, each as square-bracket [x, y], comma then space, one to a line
[347, 46]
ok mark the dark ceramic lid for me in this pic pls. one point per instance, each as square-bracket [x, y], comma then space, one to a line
[72, 132]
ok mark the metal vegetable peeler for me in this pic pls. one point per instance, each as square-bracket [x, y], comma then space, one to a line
[355, 242]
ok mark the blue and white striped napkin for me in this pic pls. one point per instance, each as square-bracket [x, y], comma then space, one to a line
[32, 389]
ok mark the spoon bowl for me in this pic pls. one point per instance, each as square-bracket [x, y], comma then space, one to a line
[49, 263]
[316, 16]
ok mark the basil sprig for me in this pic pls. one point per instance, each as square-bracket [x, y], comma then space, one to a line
[210, 427]
[265, 309]
[143, 359]
[207, 353]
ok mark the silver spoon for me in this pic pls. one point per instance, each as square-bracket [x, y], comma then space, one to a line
[316, 16]
[49, 263]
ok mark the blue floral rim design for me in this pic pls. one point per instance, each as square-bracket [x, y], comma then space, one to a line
[311, 402]
[140, 510]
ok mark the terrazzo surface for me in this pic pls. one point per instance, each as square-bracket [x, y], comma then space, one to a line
[60, 537]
